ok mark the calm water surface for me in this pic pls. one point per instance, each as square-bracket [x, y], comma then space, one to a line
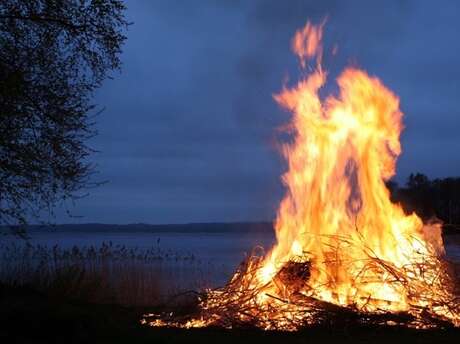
[216, 255]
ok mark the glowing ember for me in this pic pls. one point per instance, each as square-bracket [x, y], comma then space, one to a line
[342, 247]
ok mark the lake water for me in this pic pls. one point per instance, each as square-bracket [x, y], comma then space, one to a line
[225, 248]
[215, 255]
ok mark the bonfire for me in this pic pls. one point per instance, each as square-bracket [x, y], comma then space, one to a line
[344, 251]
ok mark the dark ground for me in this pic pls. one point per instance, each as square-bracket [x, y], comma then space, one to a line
[28, 316]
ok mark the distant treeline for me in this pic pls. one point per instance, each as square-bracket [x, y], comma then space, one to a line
[438, 198]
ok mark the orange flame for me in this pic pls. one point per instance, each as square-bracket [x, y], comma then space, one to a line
[337, 211]
[306, 43]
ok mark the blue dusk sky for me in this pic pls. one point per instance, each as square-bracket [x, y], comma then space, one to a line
[190, 129]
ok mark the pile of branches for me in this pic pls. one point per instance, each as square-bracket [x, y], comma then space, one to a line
[244, 303]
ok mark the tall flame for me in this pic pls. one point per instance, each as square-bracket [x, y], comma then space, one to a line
[340, 240]
[337, 211]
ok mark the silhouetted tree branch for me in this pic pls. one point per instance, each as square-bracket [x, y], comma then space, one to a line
[53, 55]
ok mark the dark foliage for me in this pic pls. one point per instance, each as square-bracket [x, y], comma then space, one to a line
[438, 198]
[29, 316]
[53, 55]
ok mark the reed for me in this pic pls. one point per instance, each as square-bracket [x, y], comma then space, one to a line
[109, 273]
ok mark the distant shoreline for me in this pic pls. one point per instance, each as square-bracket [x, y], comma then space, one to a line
[236, 227]
[207, 227]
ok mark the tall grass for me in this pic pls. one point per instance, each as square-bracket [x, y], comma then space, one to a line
[104, 274]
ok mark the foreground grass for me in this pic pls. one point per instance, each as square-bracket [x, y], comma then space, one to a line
[29, 316]
[98, 295]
